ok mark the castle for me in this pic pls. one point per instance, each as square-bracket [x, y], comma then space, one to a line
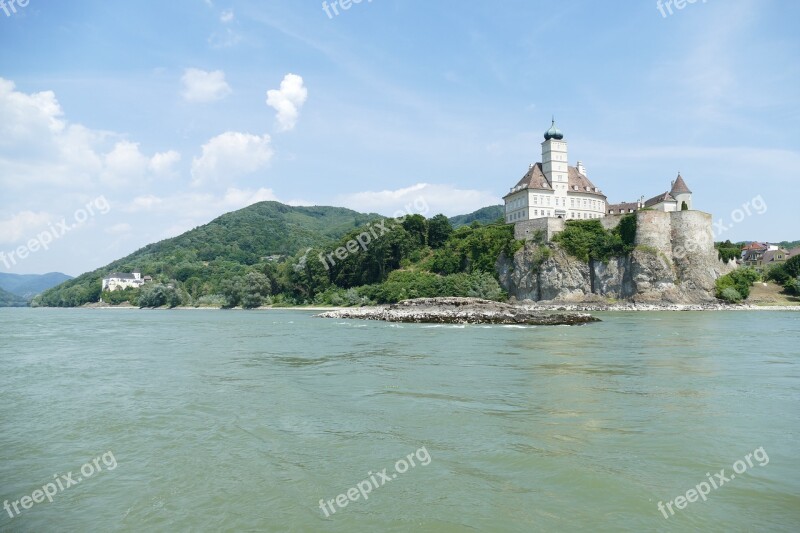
[552, 192]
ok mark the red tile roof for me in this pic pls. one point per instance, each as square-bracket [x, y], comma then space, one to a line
[576, 182]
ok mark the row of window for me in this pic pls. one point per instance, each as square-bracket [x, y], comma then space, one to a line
[522, 215]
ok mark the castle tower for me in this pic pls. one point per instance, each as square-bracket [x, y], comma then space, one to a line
[554, 166]
[681, 192]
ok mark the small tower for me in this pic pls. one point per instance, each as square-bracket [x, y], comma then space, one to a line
[554, 155]
[681, 193]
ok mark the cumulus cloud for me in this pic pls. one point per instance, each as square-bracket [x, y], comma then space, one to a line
[229, 155]
[287, 101]
[201, 86]
[163, 163]
[423, 198]
[22, 225]
[226, 16]
[38, 146]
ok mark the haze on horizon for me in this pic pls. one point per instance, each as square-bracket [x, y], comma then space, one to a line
[170, 115]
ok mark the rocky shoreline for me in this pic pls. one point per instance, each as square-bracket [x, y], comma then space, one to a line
[461, 311]
[649, 306]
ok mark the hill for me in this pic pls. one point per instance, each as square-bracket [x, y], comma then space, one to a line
[224, 248]
[8, 299]
[29, 285]
[484, 215]
[270, 252]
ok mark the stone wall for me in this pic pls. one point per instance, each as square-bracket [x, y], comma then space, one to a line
[610, 222]
[527, 229]
[654, 230]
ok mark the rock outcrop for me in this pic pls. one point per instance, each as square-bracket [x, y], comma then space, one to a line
[646, 275]
[460, 311]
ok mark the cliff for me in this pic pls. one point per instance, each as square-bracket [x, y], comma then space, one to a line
[674, 262]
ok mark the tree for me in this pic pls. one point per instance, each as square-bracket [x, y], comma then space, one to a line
[792, 266]
[439, 230]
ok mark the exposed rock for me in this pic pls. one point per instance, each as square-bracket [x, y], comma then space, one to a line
[461, 311]
[646, 275]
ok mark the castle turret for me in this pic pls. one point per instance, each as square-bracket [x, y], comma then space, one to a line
[681, 193]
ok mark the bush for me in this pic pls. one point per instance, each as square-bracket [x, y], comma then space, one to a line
[729, 294]
[210, 300]
[792, 266]
[404, 285]
[740, 280]
[158, 295]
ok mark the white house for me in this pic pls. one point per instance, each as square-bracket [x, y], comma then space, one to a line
[552, 188]
[121, 281]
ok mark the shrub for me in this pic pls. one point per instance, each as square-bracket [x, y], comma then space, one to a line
[740, 279]
[729, 294]
[157, 295]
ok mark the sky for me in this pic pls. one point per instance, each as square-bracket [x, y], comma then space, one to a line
[125, 123]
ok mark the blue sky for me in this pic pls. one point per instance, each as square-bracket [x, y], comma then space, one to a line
[163, 115]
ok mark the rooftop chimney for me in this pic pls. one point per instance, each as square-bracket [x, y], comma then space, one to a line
[581, 168]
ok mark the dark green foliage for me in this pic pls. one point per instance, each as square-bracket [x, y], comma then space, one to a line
[474, 249]
[280, 255]
[741, 280]
[792, 266]
[403, 284]
[787, 274]
[225, 248]
[728, 250]
[439, 230]
[158, 295]
[417, 228]
[117, 297]
[589, 240]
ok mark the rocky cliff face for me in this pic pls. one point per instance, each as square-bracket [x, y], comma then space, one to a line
[646, 275]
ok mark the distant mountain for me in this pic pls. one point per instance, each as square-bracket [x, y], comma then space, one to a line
[29, 285]
[11, 300]
[484, 215]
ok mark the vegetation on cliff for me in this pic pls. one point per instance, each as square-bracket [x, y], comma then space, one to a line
[588, 239]
[270, 253]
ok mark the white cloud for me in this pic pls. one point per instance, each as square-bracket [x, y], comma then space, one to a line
[162, 163]
[204, 86]
[288, 100]
[200, 208]
[124, 164]
[39, 147]
[226, 16]
[23, 225]
[423, 198]
[229, 155]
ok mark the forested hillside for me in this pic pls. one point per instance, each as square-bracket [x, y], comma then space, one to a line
[270, 253]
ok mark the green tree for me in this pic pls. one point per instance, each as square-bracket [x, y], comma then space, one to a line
[439, 230]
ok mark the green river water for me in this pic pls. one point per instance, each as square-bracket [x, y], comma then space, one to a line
[244, 421]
